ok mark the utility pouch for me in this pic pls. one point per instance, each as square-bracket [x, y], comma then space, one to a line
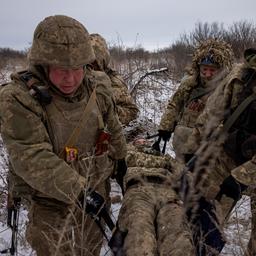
[102, 143]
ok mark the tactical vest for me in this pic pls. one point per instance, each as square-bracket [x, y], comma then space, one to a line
[192, 110]
[194, 106]
[62, 118]
[245, 126]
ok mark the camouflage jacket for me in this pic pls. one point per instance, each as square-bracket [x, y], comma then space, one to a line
[176, 104]
[223, 101]
[182, 111]
[189, 100]
[26, 134]
[126, 108]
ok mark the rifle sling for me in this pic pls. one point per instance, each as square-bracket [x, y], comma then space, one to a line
[239, 110]
[199, 92]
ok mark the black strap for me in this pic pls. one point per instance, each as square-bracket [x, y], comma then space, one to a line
[239, 110]
[199, 92]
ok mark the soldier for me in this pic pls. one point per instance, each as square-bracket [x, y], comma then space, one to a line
[209, 59]
[151, 211]
[126, 108]
[57, 118]
[231, 109]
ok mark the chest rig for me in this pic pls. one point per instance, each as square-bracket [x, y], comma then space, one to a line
[73, 126]
[194, 106]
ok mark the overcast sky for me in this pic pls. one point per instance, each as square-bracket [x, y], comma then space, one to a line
[152, 24]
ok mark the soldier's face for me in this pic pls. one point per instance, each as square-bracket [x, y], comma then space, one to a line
[207, 72]
[67, 80]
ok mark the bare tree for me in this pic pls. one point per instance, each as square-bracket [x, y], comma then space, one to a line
[241, 35]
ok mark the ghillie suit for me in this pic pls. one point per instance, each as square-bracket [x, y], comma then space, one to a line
[189, 100]
[227, 168]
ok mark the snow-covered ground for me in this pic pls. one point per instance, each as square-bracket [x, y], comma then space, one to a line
[238, 229]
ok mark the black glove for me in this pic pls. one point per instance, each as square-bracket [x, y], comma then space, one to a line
[120, 173]
[232, 188]
[165, 135]
[116, 242]
[92, 201]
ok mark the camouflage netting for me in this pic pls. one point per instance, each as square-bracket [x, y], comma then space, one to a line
[100, 50]
[218, 50]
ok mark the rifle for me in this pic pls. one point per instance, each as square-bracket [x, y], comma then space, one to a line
[96, 208]
[13, 206]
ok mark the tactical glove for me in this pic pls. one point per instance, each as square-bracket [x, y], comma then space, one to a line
[120, 173]
[116, 242]
[165, 135]
[232, 188]
[92, 201]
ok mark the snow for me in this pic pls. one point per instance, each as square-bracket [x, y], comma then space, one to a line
[238, 228]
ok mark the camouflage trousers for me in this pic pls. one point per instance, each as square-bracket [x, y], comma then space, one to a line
[56, 229]
[154, 218]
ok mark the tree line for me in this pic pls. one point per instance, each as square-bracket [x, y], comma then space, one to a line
[240, 35]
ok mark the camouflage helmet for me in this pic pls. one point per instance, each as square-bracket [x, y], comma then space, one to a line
[61, 41]
[213, 51]
[100, 50]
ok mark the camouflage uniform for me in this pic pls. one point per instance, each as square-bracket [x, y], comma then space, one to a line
[151, 211]
[126, 108]
[235, 156]
[189, 100]
[36, 135]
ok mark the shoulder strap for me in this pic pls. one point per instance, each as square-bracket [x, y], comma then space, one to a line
[239, 110]
[199, 92]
